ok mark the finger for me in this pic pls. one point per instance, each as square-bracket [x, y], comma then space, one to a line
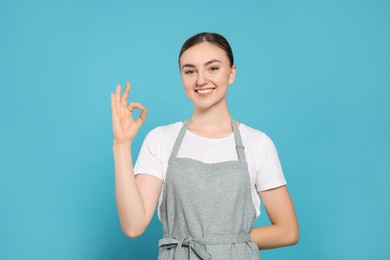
[117, 97]
[125, 95]
[142, 116]
[133, 105]
[113, 106]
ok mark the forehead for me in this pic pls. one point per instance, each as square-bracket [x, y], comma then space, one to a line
[203, 52]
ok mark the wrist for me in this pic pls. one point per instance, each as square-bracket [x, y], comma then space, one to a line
[117, 145]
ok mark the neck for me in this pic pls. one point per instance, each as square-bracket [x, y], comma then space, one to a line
[212, 122]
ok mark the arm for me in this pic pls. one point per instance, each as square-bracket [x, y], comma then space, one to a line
[136, 197]
[284, 230]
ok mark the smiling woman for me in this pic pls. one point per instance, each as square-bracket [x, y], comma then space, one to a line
[206, 75]
[208, 174]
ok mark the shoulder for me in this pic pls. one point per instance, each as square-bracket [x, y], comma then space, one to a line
[163, 132]
[255, 137]
[167, 129]
[250, 131]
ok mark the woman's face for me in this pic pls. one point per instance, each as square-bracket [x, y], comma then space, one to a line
[206, 74]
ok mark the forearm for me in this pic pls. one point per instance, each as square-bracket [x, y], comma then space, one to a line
[128, 198]
[273, 236]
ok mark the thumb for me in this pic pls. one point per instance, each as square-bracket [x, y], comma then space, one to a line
[142, 117]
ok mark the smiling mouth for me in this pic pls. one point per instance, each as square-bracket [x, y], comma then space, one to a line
[204, 91]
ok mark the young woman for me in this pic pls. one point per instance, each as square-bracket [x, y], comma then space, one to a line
[207, 174]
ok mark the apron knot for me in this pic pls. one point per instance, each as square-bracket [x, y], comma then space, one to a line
[189, 242]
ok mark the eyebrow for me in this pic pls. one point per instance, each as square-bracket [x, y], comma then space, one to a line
[207, 63]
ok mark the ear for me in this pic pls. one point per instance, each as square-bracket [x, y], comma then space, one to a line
[232, 75]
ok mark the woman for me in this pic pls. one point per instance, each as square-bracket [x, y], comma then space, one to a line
[207, 174]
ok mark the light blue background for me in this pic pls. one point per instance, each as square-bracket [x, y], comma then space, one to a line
[314, 75]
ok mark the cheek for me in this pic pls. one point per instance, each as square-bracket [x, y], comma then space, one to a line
[187, 83]
[222, 79]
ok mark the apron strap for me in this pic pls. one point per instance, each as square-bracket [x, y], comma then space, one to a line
[179, 139]
[239, 145]
[237, 137]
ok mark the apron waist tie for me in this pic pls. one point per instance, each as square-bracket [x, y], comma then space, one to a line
[195, 244]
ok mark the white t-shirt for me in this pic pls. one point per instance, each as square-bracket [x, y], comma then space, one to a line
[263, 162]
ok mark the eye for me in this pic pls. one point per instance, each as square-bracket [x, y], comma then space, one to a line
[189, 72]
[214, 69]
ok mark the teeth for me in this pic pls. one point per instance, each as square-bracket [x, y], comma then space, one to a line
[204, 91]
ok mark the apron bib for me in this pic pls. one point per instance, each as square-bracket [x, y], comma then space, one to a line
[206, 208]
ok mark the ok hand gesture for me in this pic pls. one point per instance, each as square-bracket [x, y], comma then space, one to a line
[124, 127]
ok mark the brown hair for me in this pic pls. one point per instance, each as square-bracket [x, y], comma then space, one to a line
[212, 38]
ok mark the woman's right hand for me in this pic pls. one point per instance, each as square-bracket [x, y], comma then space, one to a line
[124, 127]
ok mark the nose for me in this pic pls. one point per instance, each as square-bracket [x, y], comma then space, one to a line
[201, 80]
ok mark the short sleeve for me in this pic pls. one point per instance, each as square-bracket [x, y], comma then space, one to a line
[269, 170]
[149, 157]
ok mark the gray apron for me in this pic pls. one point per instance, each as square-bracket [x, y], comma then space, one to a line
[206, 208]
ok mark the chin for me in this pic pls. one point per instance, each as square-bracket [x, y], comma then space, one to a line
[208, 105]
